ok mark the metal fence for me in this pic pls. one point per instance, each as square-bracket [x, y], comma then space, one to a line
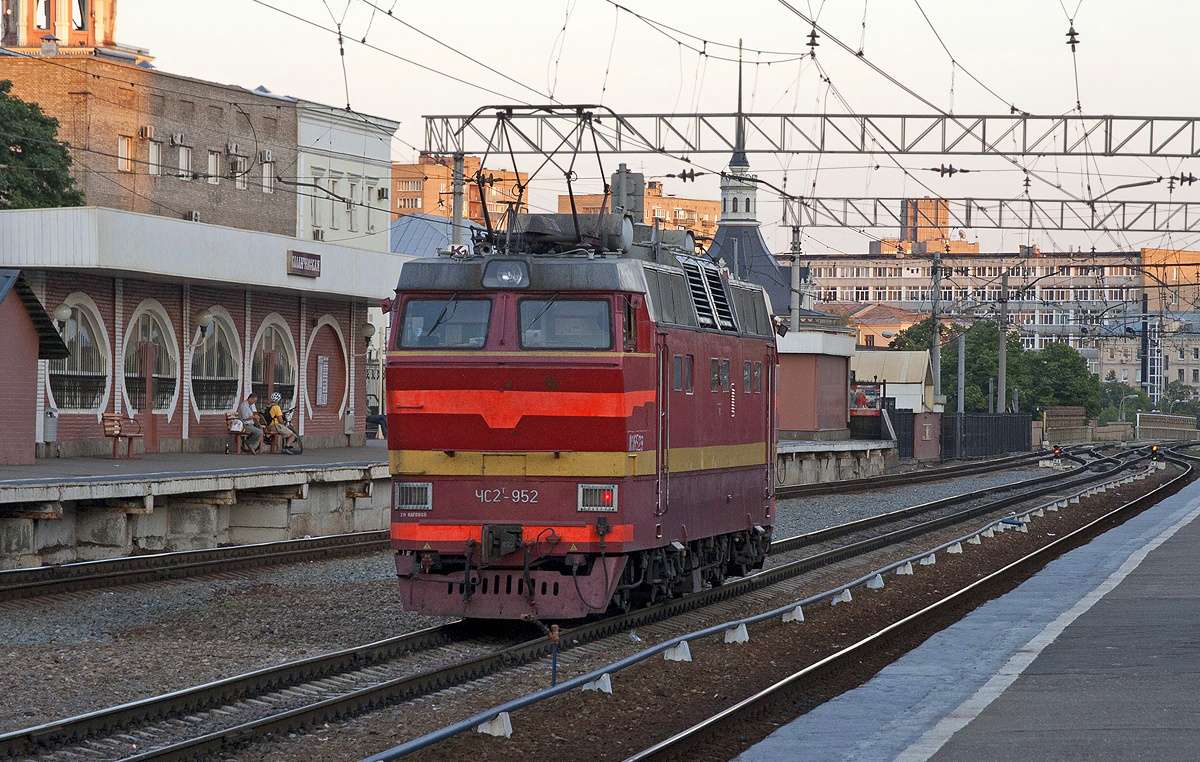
[902, 422]
[985, 434]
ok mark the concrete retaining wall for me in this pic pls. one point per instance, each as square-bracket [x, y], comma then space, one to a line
[35, 534]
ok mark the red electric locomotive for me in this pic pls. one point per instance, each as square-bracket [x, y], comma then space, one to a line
[584, 425]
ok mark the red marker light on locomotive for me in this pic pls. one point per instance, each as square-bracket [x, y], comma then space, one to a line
[606, 497]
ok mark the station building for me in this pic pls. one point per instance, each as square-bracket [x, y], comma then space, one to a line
[233, 239]
[275, 315]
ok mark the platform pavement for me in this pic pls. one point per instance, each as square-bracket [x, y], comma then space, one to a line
[1095, 657]
[160, 466]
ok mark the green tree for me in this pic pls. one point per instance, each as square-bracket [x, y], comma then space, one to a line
[1180, 399]
[1117, 397]
[35, 170]
[1056, 375]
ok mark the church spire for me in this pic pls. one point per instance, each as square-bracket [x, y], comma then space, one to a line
[739, 131]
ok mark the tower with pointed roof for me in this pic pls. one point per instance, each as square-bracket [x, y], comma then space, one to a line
[738, 240]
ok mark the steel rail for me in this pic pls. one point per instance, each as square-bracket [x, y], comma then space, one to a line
[915, 477]
[83, 575]
[726, 719]
[295, 673]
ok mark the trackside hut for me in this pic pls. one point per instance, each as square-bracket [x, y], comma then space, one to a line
[222, 311]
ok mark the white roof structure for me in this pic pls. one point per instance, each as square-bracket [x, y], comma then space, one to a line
[124, 243]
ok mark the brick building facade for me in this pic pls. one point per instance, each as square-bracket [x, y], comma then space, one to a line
[427, 187]
[158, 143]
[117, 281]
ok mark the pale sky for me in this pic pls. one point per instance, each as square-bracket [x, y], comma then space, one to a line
[1133, 58]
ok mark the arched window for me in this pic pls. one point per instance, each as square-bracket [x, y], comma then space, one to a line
[735, 204]
[215, 368]
[77, 382]
[43, 14]
[724, 205]
[79, 15]
[748, 209]
[149, 328]
[275, 342]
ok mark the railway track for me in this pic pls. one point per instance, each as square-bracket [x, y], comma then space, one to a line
[782, 694]
[73, 577]
[918, 476]
[206, 718]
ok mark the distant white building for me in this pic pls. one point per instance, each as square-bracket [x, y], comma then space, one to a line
[342, 178]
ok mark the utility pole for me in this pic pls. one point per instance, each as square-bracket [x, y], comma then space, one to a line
[1001, 396]
[935, 343]
[458, 180]
[794, 303]
[960, 405]
[991, 395]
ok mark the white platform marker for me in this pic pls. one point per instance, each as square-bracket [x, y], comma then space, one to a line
[929, 560]
[1039, 513]
[974, 540]
[678, 652]
[955, 549]
[876, 582]
[499, 726]
[1062, 504]
[737, 634]
[1074, 499]
[842, 597]
[603, 684]
[989, 533]
[795, 615]
[1023, 528]
[905, 568]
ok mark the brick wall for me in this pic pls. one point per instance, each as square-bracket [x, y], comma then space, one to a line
[98, 101]
[18, 383]
[80, 431]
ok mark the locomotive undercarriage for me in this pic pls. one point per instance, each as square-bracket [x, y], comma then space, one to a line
[577, 584]
[655, 575]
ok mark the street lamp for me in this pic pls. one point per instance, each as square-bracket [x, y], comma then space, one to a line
[1121, 406]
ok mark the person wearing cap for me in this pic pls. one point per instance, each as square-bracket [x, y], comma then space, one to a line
[278, 424]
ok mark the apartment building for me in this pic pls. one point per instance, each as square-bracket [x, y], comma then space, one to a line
[427, 187]
[698, 215]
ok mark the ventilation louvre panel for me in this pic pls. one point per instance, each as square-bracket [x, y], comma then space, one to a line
[720, 300]
[704, 307]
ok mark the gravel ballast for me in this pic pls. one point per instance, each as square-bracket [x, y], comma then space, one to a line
[807, 514]
[73, 653]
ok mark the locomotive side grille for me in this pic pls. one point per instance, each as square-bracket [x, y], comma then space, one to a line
[599, 498]
[704, 308]
[412, 496]
[720, 301]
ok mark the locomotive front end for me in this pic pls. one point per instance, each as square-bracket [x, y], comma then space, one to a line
[521, 398]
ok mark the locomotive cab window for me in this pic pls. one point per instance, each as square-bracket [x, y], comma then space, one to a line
[714, 375]
[565, 323]
[725, 375]
[689, 363]
[677, 373]
[451, 323]
[746, 384]
[758, 377]
[630, 325]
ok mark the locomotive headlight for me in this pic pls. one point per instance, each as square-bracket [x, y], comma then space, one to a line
[506, 273]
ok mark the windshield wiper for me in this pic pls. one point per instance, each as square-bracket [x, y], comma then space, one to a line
[545, 309]
[442, 315]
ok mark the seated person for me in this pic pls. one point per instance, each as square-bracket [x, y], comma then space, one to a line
[278, 425]
[248, 414]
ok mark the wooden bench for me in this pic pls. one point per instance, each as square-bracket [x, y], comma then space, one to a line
[237, 436]
[118, 427]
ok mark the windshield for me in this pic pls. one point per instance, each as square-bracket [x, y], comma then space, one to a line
[565, 324]
[446, 323]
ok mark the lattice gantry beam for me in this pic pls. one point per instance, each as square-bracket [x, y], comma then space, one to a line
[689, 134]
[1008, 214]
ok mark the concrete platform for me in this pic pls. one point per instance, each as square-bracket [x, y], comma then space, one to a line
[73, 509]
[1095, 657]
[813, 461]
